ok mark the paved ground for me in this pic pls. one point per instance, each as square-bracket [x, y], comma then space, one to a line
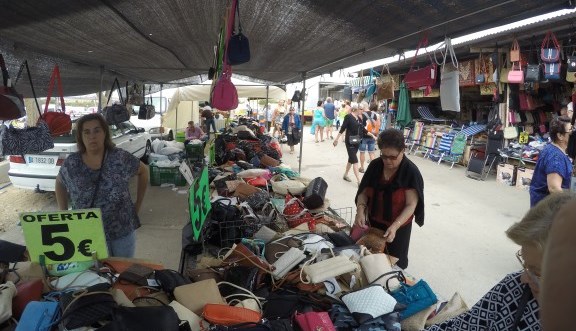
[462, 246]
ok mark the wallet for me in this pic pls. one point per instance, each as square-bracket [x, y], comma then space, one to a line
[136, 274]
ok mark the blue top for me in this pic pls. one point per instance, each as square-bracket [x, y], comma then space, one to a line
[329, 110]
[113, 197]
[551, 160]
[286, 122]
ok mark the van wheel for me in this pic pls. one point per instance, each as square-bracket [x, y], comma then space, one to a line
[147, 152]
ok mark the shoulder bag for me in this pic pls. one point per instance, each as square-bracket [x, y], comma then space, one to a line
[58, 122]
[354, 140]
[515, 51]
[116, 113]
[550, 50]
[11, 103]
[385, 88]
[481, 76]
[238, 45]
[516, 75]
[424, 77]
[147, 110]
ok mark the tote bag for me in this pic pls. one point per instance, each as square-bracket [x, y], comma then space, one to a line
[450, 80]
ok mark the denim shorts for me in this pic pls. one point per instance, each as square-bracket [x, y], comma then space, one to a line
[367, 145]
[123, 246]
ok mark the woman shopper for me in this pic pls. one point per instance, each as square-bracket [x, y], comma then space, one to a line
[318, 122]
[391, 195]
[330, 113]
[98, 176]
[553, 168]
[352, 126]
[292, 128]
[514, 303]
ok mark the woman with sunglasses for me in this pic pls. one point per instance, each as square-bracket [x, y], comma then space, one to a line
[391, 195]
[513, 304]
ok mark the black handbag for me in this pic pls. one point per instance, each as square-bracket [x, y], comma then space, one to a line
[116, 113]
[344, 320]
[223, 210]
[532, 73]
[90, 306]
[31, 140]
[238, 45]
[145, 318]
[571, 63]
[147, 111]
[315, 193]
[170, 279]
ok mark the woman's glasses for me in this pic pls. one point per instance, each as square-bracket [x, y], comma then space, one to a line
[535, 279]
[390, 157]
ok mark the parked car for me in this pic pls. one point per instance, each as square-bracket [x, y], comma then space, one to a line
[38, 171]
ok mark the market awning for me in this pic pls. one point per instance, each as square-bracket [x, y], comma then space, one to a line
[172, 41]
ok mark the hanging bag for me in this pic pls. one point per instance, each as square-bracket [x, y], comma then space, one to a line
[532, 68]
[238, 45]
[224, 94]
[423, 78]
[116, 113]
[450, 80]
[550, 50]
[516, 75]
[59, 123]
[481, 76]
[515, 51]
[571, 62]
[147, 111]
[11, 103]
[385, 89]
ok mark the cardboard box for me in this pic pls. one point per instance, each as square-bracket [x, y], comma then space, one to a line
[506, 174]
[524, 178]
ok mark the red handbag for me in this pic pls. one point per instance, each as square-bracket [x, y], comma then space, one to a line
[296, 214]
[313, 321]
[257, 181]
[11, 103]
[225, 95]
[358, 231]
[229, 315]
[58, 122]
[425, 77]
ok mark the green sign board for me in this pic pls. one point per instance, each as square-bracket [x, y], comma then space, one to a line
[64, 236]
[199, 202]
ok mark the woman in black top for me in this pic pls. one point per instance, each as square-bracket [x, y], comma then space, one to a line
[352, 125]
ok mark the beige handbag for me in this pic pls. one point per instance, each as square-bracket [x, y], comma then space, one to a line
[281, 184]
[377, 265]
[326, 269]
[196, 295]
[7, 292]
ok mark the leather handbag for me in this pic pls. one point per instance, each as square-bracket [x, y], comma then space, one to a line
[59, 123]
[196, 295]
[86, 307]
[136, 274]
[550, 50]
[315, 193]
[532, 73]
[11, 103]
[116, 113]
[144, 318]
[424, 77]
[31, 140]
[510, 132]
[320, 271]
[374, 240]
[516, 75]
[552, 70]
[223, 314]
[369, 303]
[314, 321]
[147, 110]
[416, 297]
[358, 231]
[515, 51]
[238, 45]
[225, 95]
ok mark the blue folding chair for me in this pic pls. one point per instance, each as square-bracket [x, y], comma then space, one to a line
[427, 115]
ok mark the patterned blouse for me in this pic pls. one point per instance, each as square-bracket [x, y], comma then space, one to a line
[496, 311]
[113, 197]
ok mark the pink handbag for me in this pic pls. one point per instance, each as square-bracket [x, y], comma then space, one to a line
[224, 95]
[358, 231]
[516, 75]
[314, 321]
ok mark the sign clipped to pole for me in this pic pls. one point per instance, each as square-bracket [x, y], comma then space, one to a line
[64, 236]
[199, 202]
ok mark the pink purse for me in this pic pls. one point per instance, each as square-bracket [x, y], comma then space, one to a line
[516, 75]
[314, 321]
[225, 96]
[358, 231]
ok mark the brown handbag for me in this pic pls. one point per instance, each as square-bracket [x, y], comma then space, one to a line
[374, 240]
[515, 51]
[244, 190]
[385, 89]
[268, 161]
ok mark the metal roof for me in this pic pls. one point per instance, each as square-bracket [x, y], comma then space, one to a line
[172, 41]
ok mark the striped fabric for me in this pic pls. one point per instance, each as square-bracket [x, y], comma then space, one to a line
[426, 114]
[474, 129]
[446, 142]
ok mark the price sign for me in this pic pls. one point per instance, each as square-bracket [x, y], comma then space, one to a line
[199, 202]
[523, 139]
[64, 236]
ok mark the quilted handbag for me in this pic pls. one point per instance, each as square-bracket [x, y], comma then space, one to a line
[315, 321]
[11, 103]
[229, 315]
[416, 298]
[225, 95]
[369, 302]
[552, 70]
[31, 140]
[85, 307]
[38, 316]
[550, 50]
[59, 123]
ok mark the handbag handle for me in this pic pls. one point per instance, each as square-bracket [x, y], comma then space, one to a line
[247, 293]
[115, 83]
[55, 79]
[5, 75]
[449, 51]
[25, 65]
[550, 38]
[149, 92]
[421, 43]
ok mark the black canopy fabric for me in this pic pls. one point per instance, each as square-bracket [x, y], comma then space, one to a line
[172, 41]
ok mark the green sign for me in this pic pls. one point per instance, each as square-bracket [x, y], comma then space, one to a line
[199, 202]
[64, 236]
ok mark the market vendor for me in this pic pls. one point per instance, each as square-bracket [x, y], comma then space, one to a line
[98, 176]
[194, 132]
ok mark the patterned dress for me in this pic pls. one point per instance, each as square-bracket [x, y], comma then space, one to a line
[113, 197]
[496, 311]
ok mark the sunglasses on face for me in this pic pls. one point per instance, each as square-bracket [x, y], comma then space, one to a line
[390, 157]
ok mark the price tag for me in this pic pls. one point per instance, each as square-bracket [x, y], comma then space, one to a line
[199, 202]
[64, 236]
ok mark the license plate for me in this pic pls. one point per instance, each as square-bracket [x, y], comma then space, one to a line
[41, 161]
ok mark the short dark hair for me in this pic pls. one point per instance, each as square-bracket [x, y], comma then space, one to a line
[391, 138]
[558, 126]
[108, 144]
[319, 103]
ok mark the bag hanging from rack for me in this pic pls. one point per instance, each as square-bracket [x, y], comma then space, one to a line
[385, 89]
[59, 123]
[423, 78]
[225, 95]
[550, 50]
[147, 111]
[11, 103]
[516, 75]
[481, 76]
[135, 95]
[532, 73]
[238, 45]
[571, 63]
[450, 80]
[515, 51]
[116, 113]
[510, 132]
[552, 70]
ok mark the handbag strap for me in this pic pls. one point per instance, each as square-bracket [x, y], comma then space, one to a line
[149, 93]
[521, 305]
[25, 65]
[98, 181]
[117, 84]
[550, 38]
[246, 292]
[238, 16]
[515, 45]
[421, 43]
[55, 79]
[449, 51]
[5, 75]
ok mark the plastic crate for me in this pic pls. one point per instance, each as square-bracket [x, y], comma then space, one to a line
[159, 176]
[195, 152]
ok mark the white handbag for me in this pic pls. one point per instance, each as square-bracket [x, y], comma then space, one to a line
[375, 266]
[7, 292]
[287, 261]
[369, 302]
[450, 80]
[281, 184]
[326, 269]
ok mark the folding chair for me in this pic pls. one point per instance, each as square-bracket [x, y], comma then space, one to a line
[483, 160]
[427, 115]
[428, 145]
[451, 148]
[415, 137]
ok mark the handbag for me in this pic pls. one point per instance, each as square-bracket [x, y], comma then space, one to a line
[552, 70]
[510, 132]
[374, 240]
[147, 110]
[196, 295]
[370, 302]
[343, 320]
[59, 123]
[238, 45]
[11, 103]
[550, 49]
[225, 95]
[320, 271]
[223, 314]
[532, 73]
[169, 280]
[385, 89]
[481, 76]
[358, 231]
[223, 210]
[184, 314]
[85, 307]
[515, 51]
[423, 78]
[281, 184]
[136, 274]
[375, 267]
[31, 140]
[416, 297]
[38, 316]
[516, 75]
[287, 262]
[354, 140]
[450, 80]
[116, 113]
[315, 321]
[144, 318]
[571, 63]
[7, 293]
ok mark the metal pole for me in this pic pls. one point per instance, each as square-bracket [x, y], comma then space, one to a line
[101, 88]
[303, 97]
[267, 110]
[161, 112]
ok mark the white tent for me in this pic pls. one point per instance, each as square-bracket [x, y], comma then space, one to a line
[183, 106]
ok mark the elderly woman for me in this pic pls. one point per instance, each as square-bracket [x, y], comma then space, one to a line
[391, 195]
[513, 304]
[554, 168]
